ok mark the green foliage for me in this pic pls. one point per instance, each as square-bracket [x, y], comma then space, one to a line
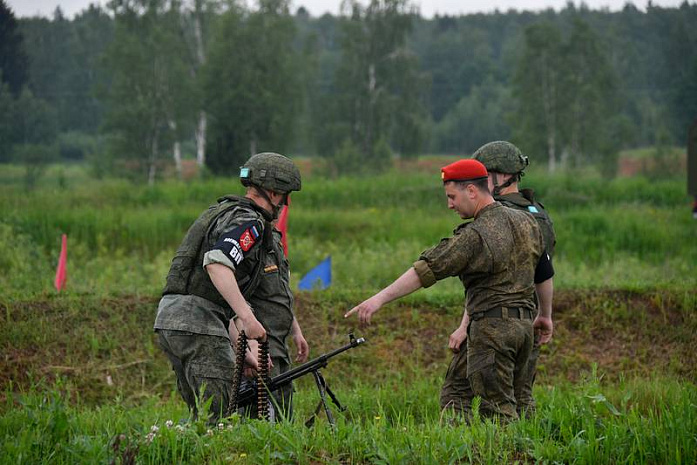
[35, 158]
[251, 87]
[13, 56]
[30, 133]
[566, 99]
[476, 119]
[64, 65]
[633, 231]
[7, 109]
[665, 161]
[23, 263]
[34, 120]
[347, 159]
[447, 84]
[589, 91]
[589, 423]
[77, 145]
[538, 94]
[377, 81]
[149, 97]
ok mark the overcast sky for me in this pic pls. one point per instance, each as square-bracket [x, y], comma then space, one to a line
[428, 8]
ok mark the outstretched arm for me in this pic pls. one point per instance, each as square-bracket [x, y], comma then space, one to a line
[404, 285]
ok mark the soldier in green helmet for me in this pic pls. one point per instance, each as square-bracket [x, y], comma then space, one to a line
[229, 275]
[505, 164]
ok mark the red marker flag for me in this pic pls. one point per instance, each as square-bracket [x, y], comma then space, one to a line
[61, 271]
[282, 226]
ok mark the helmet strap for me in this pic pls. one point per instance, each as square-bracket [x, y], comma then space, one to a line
[495, 181]
[275, 209]
[499, 187]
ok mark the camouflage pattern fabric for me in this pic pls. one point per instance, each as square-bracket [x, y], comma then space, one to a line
[495, 258]
[271, 171]
[272, 301]
[524, 200]
[456, 392]
[201, 319]
[456, 387]
[492, 366]
[200, 362]
[501, 157]
[187, 274]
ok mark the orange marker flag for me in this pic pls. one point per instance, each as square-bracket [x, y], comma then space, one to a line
[61, 271]
[282, 226]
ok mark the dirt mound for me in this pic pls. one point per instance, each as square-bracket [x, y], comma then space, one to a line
[99, 347]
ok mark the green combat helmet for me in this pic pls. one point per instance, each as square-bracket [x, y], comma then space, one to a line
[501, 157]
[272, 171]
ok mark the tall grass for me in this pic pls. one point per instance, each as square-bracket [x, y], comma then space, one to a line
[631, 232]
[85, 383]
[588, 423]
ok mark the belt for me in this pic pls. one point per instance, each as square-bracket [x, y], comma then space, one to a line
[499, 312]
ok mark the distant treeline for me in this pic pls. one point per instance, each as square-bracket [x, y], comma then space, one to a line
[146, 82]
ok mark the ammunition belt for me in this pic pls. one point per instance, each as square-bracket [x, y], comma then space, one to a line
[240, 350]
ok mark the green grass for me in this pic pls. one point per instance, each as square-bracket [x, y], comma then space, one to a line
[83, 380]
[588, 423]
[630, 232]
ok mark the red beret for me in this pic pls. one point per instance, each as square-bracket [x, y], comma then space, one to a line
[466, 169]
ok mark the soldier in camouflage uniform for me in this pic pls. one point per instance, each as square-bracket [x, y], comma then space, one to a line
[498, 257]
[505, 164]
[229, 275]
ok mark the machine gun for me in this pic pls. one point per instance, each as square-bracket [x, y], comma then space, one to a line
[248, 395]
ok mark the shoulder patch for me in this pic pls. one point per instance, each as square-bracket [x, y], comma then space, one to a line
[533, 209]
[237, 242]
[248, 238]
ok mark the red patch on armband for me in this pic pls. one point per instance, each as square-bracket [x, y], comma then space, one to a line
[246, 240]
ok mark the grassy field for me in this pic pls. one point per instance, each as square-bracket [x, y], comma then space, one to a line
[83, 380]
[626, 233]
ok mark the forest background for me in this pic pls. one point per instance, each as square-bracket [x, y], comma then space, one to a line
[142, 86]
[119, 127]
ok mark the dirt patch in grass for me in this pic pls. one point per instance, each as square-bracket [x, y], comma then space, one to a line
[101, 348]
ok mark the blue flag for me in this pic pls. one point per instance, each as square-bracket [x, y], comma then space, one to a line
[320, 277]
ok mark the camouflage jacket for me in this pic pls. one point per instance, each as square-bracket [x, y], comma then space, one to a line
[525, 200]
[232, 238]
[495, 257]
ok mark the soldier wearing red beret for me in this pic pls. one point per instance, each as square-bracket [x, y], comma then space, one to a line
[500, 259]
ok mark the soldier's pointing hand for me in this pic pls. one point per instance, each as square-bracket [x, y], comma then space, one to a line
[365, 310]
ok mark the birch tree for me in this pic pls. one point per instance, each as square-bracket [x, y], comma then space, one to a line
[251, 85]
[536, 85]
[378, 81]
[149, 96]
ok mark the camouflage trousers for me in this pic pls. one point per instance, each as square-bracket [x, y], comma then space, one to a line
[494, 366]
[205, 366]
